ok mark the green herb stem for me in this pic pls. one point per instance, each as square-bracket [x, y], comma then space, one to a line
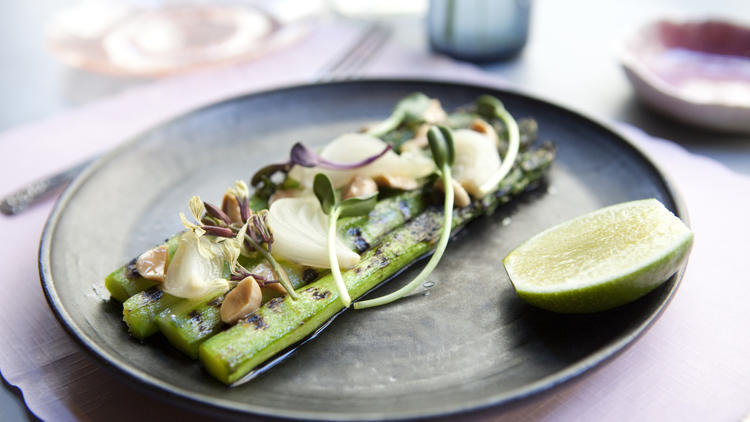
[510, 156]
[410, 109]
[333, 259]
[432, 263]
[277, 268]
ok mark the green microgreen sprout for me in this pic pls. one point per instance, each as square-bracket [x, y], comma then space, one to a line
[443, 153]
[335, 208]
[411, 109]
[489, 105]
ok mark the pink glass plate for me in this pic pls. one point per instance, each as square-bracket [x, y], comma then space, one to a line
[697, 72]
[164, 40]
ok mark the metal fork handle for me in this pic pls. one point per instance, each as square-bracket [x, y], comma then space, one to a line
[19, 200]
[350, 64]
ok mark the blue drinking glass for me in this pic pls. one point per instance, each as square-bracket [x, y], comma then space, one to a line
[478, 31]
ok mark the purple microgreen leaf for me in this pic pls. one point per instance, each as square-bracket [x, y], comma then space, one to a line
[305, 157]
[210, 221]
[239, 275]
[216, 212]
[259, 278]
[244, 208]
[261, 228]
[265, 283]
[218, 231]
[254, 232]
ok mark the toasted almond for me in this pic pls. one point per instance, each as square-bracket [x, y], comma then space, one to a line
[275, 287]
[359, 187]
[265, 271]
[460, 196]
[435, 112]
[231, 207]
[152, 264]
[422, 131]
[479, 125]
[241, 301]
[419, 141]
[396, 182]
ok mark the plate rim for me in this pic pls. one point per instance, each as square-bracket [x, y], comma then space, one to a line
[229, 408]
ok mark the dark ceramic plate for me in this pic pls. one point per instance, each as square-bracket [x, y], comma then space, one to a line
[469, 344]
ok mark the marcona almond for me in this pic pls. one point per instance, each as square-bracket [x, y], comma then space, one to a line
[460, 196]
[418, 142]
[434, 112]
[241, 301]
[231, 207]
[396, 182]
[264, 270]
[152, 264]
[359, 187]
[479, 125]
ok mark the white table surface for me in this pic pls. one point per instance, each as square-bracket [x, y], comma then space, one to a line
[570, 58]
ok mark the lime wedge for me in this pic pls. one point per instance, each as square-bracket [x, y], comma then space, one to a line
[600, 260]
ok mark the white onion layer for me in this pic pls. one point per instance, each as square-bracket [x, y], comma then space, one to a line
[477, 159]
[196, 268]
[300, 233]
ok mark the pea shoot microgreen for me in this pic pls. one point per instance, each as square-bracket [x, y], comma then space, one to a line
[411, 109]
[443, 153]
[332, 205]
[491, 106]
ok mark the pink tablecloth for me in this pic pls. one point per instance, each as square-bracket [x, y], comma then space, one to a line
[692, 365]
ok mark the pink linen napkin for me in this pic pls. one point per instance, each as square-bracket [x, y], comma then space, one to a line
[691, 365]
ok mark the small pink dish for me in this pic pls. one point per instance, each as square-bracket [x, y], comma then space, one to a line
[697, 72]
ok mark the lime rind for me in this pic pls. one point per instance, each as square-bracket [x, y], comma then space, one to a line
[581, 294]
[613, 293]
[581, 283]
